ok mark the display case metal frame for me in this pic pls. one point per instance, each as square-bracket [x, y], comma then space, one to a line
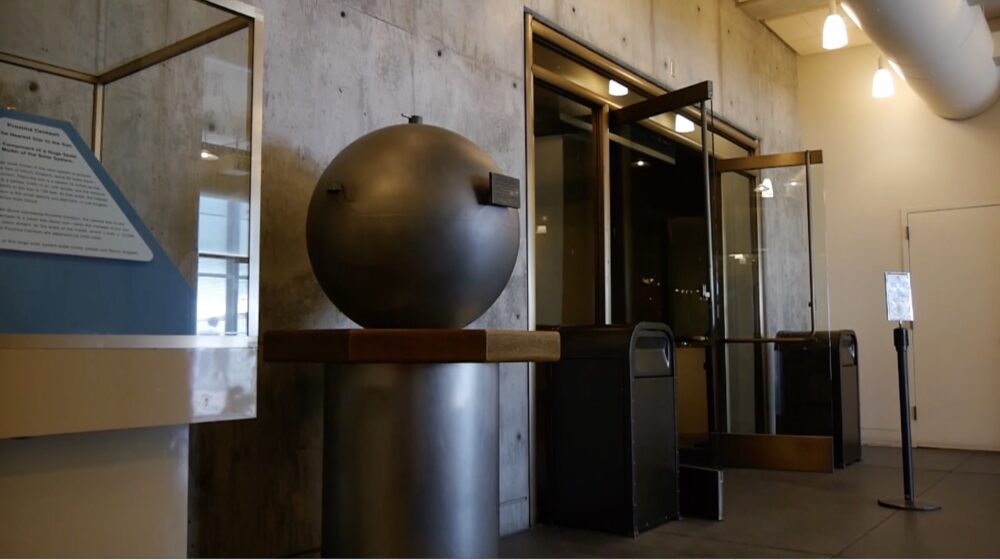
[45, 379]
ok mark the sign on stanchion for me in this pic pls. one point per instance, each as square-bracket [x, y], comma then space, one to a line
[899, 306]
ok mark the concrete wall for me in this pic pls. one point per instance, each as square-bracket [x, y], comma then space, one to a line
[336, 70]
[883, 156]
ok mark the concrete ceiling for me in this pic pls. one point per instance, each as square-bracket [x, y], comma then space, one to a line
[799, 23]
[803, 32]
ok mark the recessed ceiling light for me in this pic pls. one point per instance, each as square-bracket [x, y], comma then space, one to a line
[640, 163]
[616, 89]
[683, 124]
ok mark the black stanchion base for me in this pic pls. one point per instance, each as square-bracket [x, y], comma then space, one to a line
[910, 505]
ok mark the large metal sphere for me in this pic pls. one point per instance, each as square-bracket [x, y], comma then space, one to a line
[401, 234]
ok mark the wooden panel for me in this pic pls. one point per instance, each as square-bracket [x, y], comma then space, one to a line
[692, 394]
[410, 345]
[750, 163]
[522, 346]
[776, 452]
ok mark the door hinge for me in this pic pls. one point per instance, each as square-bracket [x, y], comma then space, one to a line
[907, 233]
[914, 413]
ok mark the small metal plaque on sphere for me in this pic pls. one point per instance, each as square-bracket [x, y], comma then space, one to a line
[505, 191]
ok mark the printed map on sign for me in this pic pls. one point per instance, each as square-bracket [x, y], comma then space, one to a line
[898, 298]
[51, 201]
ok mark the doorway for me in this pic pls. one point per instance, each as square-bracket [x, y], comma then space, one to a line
[954, 262]
[643, 205]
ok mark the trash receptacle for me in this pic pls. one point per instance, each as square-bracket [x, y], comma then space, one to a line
[607, 429]
[817, 390]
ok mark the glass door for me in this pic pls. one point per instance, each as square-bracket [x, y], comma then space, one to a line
[660, 237]
[772, 280]
[660, 266]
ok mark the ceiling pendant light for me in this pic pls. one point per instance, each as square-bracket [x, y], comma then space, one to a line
[616, 89]
[683, 124]
[882, 84]
[834, 29]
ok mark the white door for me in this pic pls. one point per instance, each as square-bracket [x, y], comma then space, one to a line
[954, 259]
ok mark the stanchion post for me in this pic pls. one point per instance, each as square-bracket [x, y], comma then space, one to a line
[901, 340]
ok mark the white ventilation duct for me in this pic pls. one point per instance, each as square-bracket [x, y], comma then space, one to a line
[943, 47]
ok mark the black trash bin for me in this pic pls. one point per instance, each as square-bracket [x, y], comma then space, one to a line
[817, 390]
[608, 430]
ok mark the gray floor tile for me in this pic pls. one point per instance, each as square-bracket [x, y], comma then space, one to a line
[558, 542]
[967, 526]
[781, 514]
[923, 458]
[554, 542]
[981, 462]
[814, 512]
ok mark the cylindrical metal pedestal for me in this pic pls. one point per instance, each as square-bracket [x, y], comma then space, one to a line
[410, 460]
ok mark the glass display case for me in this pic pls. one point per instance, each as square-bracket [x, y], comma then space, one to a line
[129, 212]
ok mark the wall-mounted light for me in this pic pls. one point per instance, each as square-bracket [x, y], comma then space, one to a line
[683, 124]
[834, 29]
[617, 90]
[208, 156]
[882, 85]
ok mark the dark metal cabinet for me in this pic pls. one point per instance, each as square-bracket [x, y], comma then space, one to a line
[817, 390]
[608, 431]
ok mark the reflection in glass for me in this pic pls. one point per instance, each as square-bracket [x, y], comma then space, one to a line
[177, 142]
[223, 271]
[565, 211]
[766, 281]
[658, 232]
[740, 269]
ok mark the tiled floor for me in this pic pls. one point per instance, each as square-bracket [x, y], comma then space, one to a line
[782, 514]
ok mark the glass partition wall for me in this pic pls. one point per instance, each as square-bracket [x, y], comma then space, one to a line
[636, 214]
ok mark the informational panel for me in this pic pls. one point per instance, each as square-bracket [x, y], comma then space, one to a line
[75, 256]
[898, 296]
[51, 201]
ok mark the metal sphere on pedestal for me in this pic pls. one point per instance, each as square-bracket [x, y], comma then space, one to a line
[401, 233]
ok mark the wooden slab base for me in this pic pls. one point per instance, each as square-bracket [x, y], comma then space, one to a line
[410, 346]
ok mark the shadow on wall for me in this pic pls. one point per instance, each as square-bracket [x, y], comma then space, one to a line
[255, 485]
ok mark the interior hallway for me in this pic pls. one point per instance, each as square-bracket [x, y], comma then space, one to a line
[788, 514]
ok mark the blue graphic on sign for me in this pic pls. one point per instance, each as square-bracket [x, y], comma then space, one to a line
[45, 293]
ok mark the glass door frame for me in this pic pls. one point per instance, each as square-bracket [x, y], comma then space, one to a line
[537, 28]
[745, 165]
